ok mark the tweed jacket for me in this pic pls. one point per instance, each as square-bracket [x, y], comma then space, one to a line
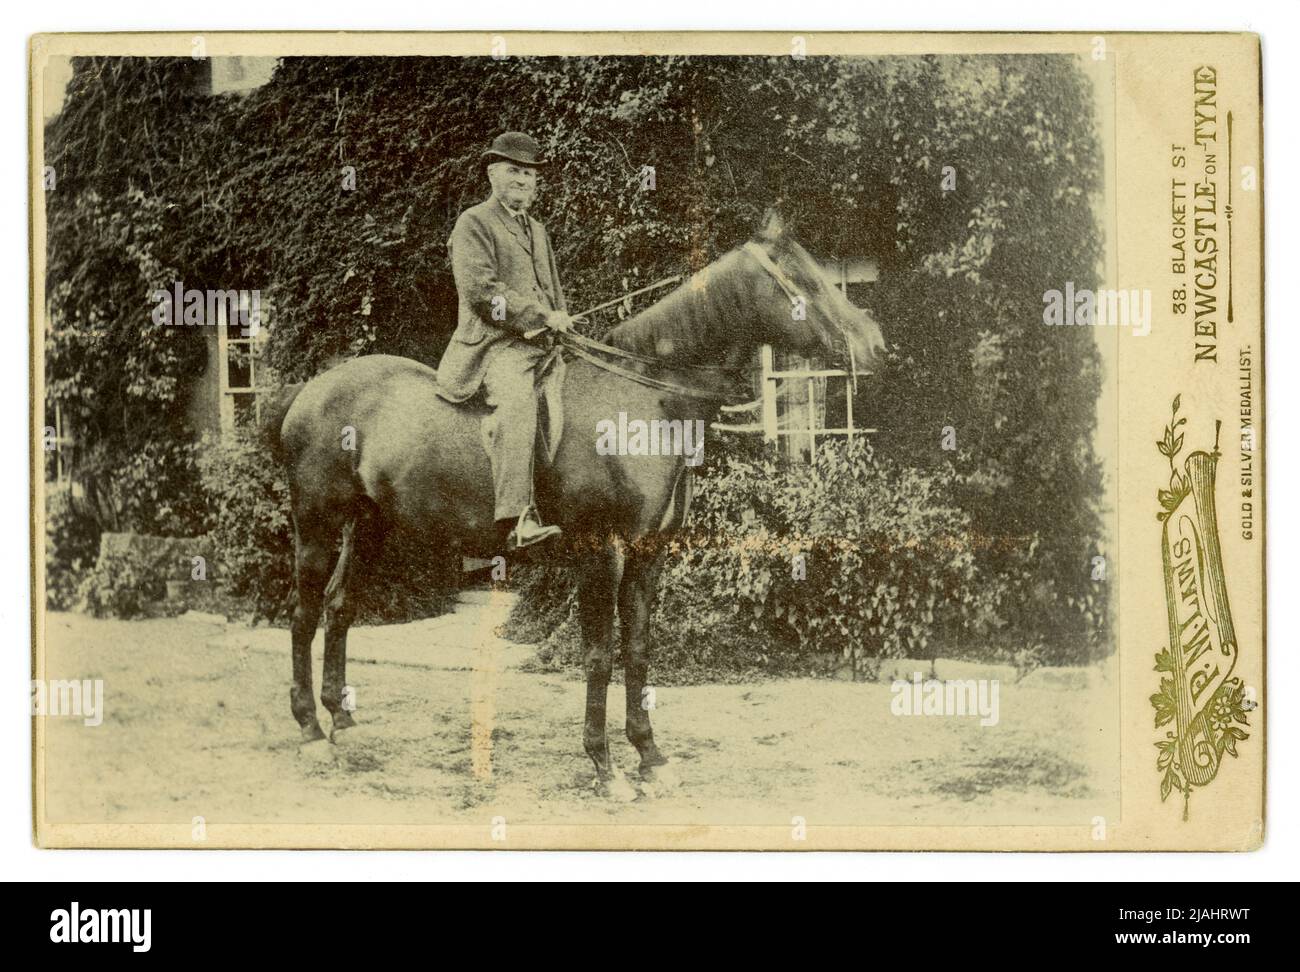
[507, 284]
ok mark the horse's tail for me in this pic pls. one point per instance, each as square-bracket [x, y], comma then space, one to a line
[272, 418]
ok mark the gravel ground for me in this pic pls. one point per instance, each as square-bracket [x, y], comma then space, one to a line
[197, 722]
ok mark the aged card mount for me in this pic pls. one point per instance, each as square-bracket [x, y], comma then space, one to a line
[1096, 292]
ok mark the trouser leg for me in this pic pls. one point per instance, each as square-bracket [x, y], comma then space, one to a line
[510, 391]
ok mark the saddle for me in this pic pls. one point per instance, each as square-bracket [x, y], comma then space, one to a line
[550, 402]
[549, 386]
[550, 430]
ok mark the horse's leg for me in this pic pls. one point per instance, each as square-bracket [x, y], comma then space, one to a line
[597, 597]
[339, 610]
[636, 598]
[311, 568]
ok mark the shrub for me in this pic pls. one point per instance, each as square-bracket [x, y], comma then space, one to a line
[850, 145]
[413, 578]
[132, 571]
[697, 638]
[71, 544]
[547, 597]
[800, 568]
[692, 640]
[121, 585]
[251, 528]
[249, 522]
[851, 556]
[154, 490]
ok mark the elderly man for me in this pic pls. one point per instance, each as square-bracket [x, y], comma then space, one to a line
[510, 297]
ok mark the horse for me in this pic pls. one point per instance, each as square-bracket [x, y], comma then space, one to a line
[419, 463]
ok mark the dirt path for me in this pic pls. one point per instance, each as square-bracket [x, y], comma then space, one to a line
[197, 722]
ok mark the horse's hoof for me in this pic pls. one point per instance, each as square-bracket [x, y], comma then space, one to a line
[312, 733]
[617, 788]
[318, 752]
[661, 779]
[345, 728]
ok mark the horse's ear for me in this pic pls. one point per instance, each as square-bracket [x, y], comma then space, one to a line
[771, 228]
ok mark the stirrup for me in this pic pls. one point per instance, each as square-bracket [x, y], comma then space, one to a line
[529, 531]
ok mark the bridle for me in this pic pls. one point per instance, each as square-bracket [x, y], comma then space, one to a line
[776, 273]
[782, 281]
[578, 345]
[589, 350]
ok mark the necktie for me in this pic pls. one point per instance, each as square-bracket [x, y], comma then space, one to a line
[522, 220]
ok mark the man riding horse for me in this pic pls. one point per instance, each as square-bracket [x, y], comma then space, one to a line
[510, 298]
[419, 468]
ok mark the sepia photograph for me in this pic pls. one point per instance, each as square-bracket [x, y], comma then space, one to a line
[561, 441]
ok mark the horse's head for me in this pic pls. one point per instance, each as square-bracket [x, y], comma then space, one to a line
[812, 314]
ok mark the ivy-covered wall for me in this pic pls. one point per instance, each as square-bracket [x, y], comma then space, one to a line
[333, 188]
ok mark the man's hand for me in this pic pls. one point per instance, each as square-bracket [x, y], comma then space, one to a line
[559, 321]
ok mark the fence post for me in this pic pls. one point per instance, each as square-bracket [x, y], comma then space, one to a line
[812, 420]
[848, 408]
[769, 417]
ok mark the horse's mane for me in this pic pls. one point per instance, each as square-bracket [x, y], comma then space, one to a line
[695, 318]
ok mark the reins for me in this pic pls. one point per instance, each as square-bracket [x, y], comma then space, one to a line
[588, 350]
[630, 294]
[647, 380]
[572, 337]
[575, 341]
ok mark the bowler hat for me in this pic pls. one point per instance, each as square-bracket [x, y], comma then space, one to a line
[515, 147]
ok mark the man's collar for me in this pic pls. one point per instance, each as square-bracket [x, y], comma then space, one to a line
[512, 212]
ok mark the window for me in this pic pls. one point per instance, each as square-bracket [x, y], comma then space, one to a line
[239, 74]
[58, 460]
[239, 347]
[800, 399]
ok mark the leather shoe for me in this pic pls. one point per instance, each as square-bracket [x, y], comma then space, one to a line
[530, 530]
